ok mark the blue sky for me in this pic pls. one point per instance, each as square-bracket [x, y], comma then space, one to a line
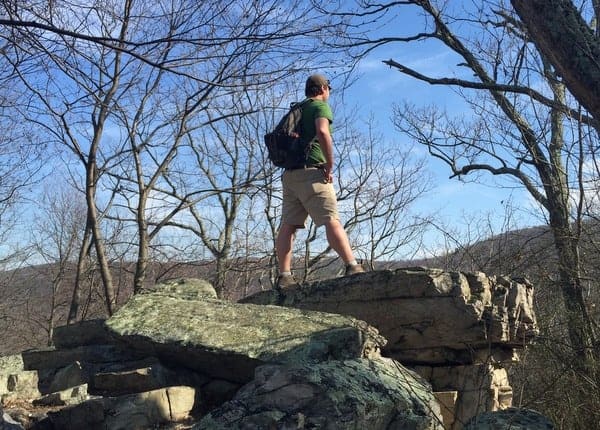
[378, 87]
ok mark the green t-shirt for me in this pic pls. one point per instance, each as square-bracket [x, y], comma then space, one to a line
[311, 111]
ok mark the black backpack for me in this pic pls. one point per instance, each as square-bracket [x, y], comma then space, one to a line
[286, 146]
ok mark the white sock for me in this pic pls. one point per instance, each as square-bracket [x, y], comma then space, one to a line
[285, 273]
[352, 263]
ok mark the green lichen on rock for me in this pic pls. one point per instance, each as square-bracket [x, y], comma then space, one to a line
[183, 288]
[11, 364]
[257, 331]
[510, 419]
[350, 394]
[194, 332]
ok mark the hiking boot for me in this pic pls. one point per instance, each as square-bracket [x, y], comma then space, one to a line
[354, 269]
[285, 281]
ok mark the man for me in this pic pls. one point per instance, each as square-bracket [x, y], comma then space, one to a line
[308, 190]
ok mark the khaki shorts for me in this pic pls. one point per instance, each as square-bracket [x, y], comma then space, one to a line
[305, 192]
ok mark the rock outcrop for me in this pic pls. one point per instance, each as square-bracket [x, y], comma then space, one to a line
[350, 394]
[134, 411]
[229, 340]
[308, 358]
[458, 330]
[511, 418]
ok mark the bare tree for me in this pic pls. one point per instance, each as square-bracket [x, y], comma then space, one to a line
[69, 93]
[57, 234]
[380, 182]
[569, 43]
[21, 164]
[176, 59]
[518, 131]
[222, 157]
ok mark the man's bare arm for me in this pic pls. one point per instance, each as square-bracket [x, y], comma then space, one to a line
[326, 142]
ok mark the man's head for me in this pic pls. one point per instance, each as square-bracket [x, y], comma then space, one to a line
[316, 85]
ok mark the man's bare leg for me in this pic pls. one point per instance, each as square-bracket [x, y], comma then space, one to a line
[338, 240]
[283, 247]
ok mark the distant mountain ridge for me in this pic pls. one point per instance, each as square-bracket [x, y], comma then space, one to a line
[26, 295]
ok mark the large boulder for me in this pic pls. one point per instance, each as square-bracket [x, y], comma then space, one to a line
[352, 394]
[175, 347]
[510, 419]
[428, 316]
[7, 422]
[229, 340]
[134, 411]
[82, 333]
[15, 382]
[458, 330]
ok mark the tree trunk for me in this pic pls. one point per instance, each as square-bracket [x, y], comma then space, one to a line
[562, 35]
[579, 324]
[94, 225]
[142, 261]
[76, 297]
[219, 279]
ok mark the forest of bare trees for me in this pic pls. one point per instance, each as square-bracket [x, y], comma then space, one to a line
[132, 135]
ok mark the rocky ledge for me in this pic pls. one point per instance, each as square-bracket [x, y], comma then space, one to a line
[312, 357]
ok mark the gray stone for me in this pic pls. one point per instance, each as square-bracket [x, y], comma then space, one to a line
[54, 379]
[183, 288]
[145, 379]
[353, 394]
[21, 385]
[52, 358]
[229, 340]
[69, 376]
[87, 332]
[135, 411]
[7, 423]
[482, 387]
[303, 368]
[472, 311]
[468, 326]
[11, 364]
[447, 401]
[510, 419]
[69, 396]
[3, 383]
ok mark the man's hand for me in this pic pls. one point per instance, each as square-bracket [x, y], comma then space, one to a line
[328, 173]
[326, 143]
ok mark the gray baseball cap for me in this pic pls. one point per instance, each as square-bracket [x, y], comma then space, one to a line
[316, 81]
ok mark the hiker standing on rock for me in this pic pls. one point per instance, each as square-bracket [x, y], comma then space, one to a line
[308, 190]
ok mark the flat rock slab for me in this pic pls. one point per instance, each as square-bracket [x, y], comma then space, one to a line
[427, 315]
[95, 332]
[68, 396]
[353, 394]
[145, 379]
[229, 340]
[87, 332]
[53, 358]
